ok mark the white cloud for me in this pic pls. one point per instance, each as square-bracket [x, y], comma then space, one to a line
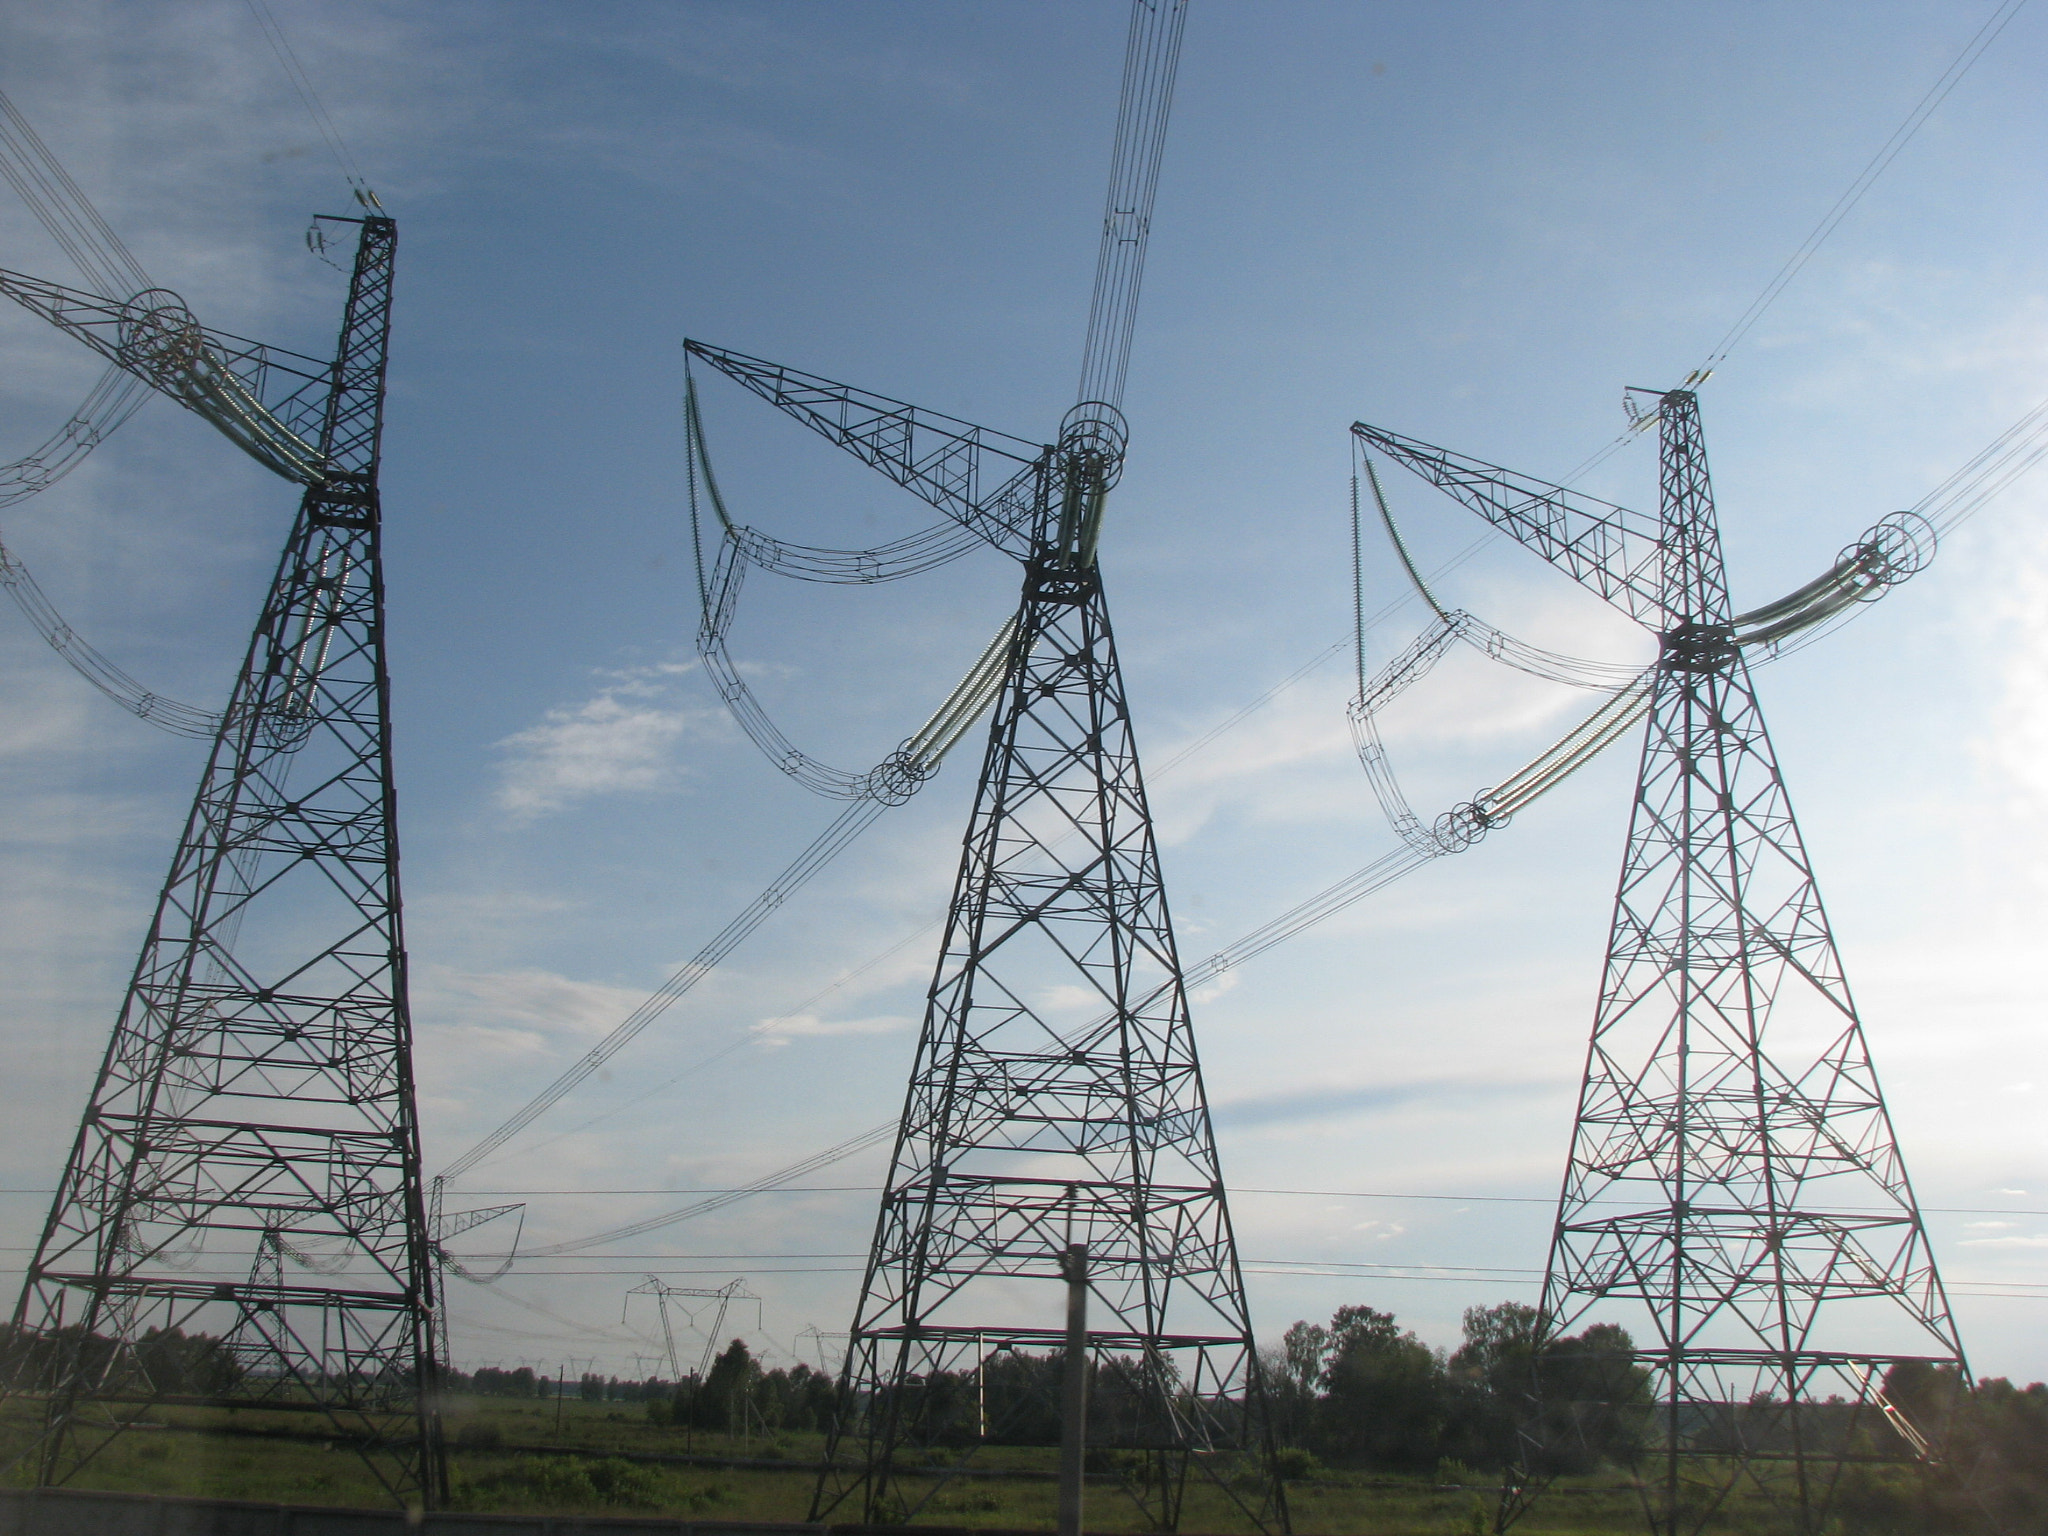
[615, 743]
[1209, 991]
[515, 1013]
[1068, 997]
[2016, 746]
[779, 1032]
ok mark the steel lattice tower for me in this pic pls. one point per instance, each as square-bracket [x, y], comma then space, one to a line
[1735, 1195]
[1028, 1125]
[1055, 1096]
[248, 1166]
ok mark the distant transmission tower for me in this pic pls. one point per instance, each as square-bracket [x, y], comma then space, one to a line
[1056, 1097]
[248, 1170]
[1735, 1195]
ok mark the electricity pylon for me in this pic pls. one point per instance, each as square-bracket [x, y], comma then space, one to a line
[1056, 1097]
[1735, 1195]
[724, 1295]
[248, 1167]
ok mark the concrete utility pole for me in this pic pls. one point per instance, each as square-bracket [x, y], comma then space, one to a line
[1074, 1409]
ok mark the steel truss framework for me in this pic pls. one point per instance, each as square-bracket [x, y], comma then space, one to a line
[248, 1166]
[1056, 1096]
[1734, 1196]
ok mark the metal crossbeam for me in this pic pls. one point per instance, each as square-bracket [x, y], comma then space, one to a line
[950, 463]
[1609, 550]
[268, 402]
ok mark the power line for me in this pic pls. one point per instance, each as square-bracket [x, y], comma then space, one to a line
[1304, 1269]
[1879, 163]
[64, 210]
[834, 840]
[1829, 222]
[316, 109]
[1318, 1194]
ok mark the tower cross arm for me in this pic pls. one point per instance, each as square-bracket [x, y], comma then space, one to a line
[455, 1223]
[982, 479]
[263, 399]
[1610, 550]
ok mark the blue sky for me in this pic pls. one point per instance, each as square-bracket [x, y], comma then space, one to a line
[1473, 224]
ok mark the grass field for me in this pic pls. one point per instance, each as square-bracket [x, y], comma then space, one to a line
[526, 1456]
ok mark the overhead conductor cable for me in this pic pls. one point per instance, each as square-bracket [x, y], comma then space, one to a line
[111, 268]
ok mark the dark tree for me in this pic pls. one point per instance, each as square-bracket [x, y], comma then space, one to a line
[180, 1366]
[721, 1401]
[1384, 1393]
[1491, 1383]
[1608, 1394]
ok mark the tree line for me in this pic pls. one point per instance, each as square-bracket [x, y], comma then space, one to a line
[1364, 1392]
[735, 1397]
[167, 1361]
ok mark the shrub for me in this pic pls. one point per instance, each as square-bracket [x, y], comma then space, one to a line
[1296, 1465]
[565, 1481]
[623, 1484]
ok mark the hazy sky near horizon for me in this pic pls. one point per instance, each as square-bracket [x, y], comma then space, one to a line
[1475, 224]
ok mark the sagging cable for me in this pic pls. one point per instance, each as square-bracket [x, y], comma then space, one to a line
[112, 400]
[899, 775]
[912, 555]
[1497, 644]
[143, 703]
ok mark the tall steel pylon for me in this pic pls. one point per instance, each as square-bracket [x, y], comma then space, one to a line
[248, 1170]
[1734, 1196]
[1055, 1096]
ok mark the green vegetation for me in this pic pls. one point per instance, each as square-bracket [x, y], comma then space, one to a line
[1363, 1393]
[1381, 1436]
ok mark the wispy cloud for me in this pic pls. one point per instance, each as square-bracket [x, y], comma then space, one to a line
[1330, 1102]
[779, 1032]
[515, 1013]
[616, 742]
[2016, 747]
